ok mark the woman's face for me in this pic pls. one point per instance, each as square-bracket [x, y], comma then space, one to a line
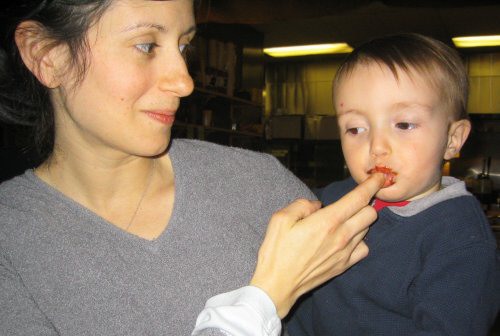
[137, 74]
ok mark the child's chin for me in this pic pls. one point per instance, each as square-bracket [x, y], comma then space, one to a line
[389, 182]
[389, 194]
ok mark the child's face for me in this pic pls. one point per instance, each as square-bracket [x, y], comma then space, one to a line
[399, 124]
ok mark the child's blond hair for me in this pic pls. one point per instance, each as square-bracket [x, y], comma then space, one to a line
[410, 52]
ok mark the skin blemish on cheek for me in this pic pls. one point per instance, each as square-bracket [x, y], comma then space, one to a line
[341, 104]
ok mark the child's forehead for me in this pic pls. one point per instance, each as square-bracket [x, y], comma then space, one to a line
[418, 76]
[397, 70]
[375, 85]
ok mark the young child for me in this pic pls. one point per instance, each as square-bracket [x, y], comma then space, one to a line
[433, 267]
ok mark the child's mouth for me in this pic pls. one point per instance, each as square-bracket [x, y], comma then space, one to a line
[390, 176]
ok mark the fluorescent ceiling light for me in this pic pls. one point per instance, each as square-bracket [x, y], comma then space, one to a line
[476, 41]
[313, 49]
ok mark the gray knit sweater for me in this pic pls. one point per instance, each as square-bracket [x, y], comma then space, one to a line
[66, 271]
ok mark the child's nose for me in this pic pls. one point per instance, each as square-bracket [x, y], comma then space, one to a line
[379, 145]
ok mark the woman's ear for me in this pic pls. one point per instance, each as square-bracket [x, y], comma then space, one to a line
[457, 134]
[38, 55]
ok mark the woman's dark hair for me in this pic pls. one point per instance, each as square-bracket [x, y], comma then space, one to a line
[409, 52]
[23, 100]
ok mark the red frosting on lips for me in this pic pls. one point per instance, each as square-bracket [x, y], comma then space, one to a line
[390, 176]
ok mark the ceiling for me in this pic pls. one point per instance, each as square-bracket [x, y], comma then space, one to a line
[354, 21]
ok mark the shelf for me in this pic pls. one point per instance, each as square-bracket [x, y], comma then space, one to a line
[218, 129]
[231, 98]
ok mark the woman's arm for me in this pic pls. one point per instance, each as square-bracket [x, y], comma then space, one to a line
[304, 247]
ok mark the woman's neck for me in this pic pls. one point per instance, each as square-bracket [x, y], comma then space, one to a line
[107, 187]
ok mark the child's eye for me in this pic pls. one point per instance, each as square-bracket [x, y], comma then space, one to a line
[406, 125]
[146, 48]
[355, 130]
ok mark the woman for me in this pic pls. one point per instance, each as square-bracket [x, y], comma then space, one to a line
[120, 231]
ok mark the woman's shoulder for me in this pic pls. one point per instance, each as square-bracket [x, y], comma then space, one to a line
[203, 155]
[19, 202]
[244, 169]
[24, 193]
[16, 186]
[204, 150]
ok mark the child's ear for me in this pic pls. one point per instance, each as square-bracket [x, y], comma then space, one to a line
[457, 134]
[37, 54]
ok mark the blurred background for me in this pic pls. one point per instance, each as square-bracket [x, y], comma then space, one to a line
[292, 95]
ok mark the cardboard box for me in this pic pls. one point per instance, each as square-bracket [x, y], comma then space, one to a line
[286, 127]
[321, 128]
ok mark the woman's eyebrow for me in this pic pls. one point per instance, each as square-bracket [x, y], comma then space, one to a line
[159, 27]
[141, 25]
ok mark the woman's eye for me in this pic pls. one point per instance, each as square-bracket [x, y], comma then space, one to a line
[186, 50]
[406, 125]
[355, 130]
[146, 48]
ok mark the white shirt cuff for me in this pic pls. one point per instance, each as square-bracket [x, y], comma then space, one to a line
[247, 311]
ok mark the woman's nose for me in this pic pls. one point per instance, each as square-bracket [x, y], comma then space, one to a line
[176, 77]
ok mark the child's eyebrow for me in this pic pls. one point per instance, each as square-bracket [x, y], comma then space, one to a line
[411, 105]
[349, 111]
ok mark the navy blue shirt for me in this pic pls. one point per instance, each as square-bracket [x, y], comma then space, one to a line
[433, 269]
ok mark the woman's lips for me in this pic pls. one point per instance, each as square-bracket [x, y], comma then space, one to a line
[390, 176]
[163, 117]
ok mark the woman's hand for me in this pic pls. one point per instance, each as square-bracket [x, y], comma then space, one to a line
[305, 246]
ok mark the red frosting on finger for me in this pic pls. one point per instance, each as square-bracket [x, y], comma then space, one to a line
[390, 176]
